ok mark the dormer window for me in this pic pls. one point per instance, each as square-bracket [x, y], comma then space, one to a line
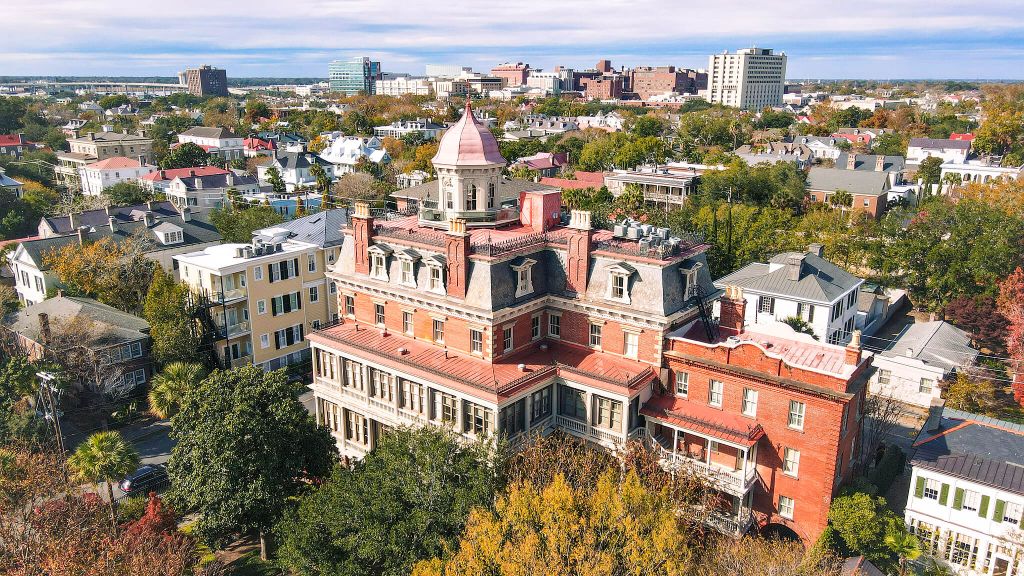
[690, 279]
[379, 261]
[407, 263]
[436, 265]
[524, 276]
[173, 237]
[618, 282]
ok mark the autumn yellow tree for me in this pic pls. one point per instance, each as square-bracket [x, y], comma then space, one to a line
[1004, 194]
[115, 273]
[618, 528]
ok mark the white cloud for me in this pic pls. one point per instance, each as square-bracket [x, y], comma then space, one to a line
[107, 36]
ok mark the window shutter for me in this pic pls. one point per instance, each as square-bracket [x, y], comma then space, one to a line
[944, 494]
[273, 306]
[919, 488]
[958, 499]
[298, 300]
[302, 334]
[277, 340]
[270, 273]
[983, 507]
[997, 514]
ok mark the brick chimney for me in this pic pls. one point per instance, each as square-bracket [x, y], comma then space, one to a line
[816, 249]
[362, 233]
[879, 163]
[851, 161]
[853, 350]
[186, 214]
[540, 209]
[147, 218]
[45, 335]
[732, 311]
[581, 237]
[73, 220]
[112, 222]
[456, 253]
[150, 204]
[83, 235]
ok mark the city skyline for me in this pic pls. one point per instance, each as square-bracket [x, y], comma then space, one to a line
[878, 40]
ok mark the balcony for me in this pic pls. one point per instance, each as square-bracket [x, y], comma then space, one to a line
[735, 480]
[242, 361]
[224, 296]
[232, 330]
[583, 430]
[431, 215]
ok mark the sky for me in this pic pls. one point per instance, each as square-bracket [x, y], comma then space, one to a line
[876, 39]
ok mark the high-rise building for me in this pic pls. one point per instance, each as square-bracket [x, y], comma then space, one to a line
[750, 79]
[647, 81]
[354, 75]
[205, 81]
[514, 73]
[447, 70]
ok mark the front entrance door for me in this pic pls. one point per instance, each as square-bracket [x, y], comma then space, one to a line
[1001, 567]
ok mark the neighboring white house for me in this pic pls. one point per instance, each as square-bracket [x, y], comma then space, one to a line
[208, 190]
[955, 151]
[400, 128]
[980, 171]
[8, 183]
[410, 179]
[966, 499]
[910, 367]
[218, 141]
[345, 152]
[802, 285]
[295, 169]
[99, 176]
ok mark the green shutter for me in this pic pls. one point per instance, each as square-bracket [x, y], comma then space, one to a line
[958, 499]
[997, 514]
[944, 494]
[919, 489]
[983, 507]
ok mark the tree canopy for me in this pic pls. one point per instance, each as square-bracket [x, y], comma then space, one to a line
[405, 501]
[245, 444]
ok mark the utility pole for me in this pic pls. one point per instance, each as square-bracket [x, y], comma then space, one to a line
[46, 388]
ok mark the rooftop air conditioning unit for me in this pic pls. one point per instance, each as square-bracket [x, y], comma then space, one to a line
[645, 244]
[663, 232]
[619, 231]
[633, 233]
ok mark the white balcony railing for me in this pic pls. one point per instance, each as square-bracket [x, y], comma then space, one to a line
[585, 430]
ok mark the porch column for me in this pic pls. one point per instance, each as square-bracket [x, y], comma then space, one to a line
[675, 442]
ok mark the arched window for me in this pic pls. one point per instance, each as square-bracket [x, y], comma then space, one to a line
[490, 195]
[471, 199]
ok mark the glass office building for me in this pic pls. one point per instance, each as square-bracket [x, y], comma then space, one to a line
[353, 75]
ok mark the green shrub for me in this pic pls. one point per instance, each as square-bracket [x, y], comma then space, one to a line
[131, 508]
[888, 468]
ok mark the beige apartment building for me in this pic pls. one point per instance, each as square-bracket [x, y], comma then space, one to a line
[96, 146]
[265, 297]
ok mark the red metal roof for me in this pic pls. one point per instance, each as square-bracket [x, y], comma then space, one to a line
[486, 379]
[11, 140]
[965, 137]
[115, 163]
[161, 175]
[703, 419]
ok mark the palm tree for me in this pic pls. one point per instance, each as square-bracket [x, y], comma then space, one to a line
[905, 545]
[101, 458]
[170, 386]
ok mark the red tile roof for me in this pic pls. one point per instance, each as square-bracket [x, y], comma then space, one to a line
[487, 379]
[161, 175]
[11, 140]
[115, 163]
[703, 419]
[966, 137]
[582, 180]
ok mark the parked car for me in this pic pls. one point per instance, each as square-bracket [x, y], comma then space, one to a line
[147, 478]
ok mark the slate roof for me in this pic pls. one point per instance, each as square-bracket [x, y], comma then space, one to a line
[196, 231]
[853, 181]
[322, 229]
[62, 224]
[867, 162]
[108, 137]
[113, 326]
[209, 132]
[937, 343]
[293, 160]
[218, 180]
[819, 280]
[973, 447]
[936, 143]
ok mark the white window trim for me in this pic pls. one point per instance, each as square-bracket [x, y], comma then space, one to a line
[527, 288]
[261, 307]
[795, 472]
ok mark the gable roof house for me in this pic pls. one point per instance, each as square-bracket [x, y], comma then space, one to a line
[168, 231]
[116, 343]
[955, 151]
[869, 189]
[215, 140]
[911, 366]
[295, 169]
[802, 285]
[966, 497]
